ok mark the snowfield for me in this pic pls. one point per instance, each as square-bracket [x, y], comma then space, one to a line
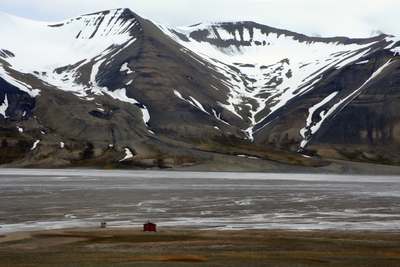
[72, 44]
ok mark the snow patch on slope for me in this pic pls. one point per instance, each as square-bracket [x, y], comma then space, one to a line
[96, 89]
[218, 117]
[4, 107]
[362, 62]
[193, 102]
[313, 126]
[128, 155]
[20, 85]
[120, 94]
[125, 67]
[35, 144]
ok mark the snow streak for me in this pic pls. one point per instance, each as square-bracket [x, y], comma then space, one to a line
[4, 107]
[35, 144]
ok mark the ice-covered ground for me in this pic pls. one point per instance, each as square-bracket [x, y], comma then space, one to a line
[48, 199]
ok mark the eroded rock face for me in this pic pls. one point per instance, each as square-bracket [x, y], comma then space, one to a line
[365, 128]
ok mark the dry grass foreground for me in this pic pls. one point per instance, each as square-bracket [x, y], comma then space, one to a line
[182, 247]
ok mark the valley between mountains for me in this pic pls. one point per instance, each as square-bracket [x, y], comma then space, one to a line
[114, 90]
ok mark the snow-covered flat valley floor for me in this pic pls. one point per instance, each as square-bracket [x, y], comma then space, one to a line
[49, 199]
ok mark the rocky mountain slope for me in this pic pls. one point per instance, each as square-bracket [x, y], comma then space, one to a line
[111, 89]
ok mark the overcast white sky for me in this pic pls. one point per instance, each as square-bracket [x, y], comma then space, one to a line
[353, 18]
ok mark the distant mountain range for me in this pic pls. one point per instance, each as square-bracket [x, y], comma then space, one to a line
[114, 90]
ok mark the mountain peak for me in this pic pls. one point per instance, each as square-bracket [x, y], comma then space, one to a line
[122, 13]
[113, 21]
[65, 42]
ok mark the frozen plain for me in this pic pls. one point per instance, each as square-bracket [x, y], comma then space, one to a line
[50, 199]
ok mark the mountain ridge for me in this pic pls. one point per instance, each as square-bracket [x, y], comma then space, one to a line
[131, 92]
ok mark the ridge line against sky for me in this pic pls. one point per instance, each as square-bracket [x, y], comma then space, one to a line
[327, 18]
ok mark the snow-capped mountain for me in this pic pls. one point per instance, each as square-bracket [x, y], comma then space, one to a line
[114, 88]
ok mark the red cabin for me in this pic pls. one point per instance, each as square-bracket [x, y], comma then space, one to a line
[149, 227]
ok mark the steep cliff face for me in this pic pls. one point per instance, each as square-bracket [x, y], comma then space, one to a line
[356, 119]
[367, 129]
[114, 89]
